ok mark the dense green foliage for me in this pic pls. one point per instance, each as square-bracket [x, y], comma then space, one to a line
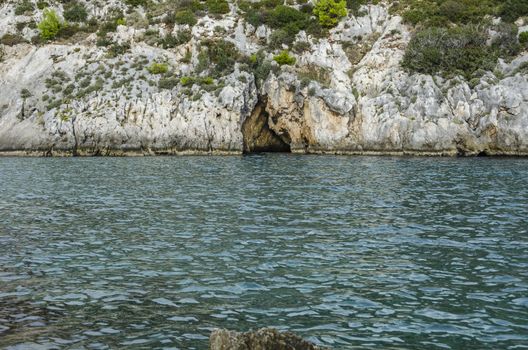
[170, 41]
[448, 50]
[185, 17]
[442, 12]
[217, 56]
[523, 38]
[135, 3]
[284, 58]
[454, 36]
[23, 8]
[329, 12]
[285, 20]
[510, 10]
[450, 37]
[158, 68]
[460, 50]
[75, 12]
[217, 6]
[50, 25]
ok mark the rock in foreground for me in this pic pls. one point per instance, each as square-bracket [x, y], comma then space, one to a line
[262, 339]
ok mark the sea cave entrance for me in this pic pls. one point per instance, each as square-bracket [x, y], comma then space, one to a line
[258, 137]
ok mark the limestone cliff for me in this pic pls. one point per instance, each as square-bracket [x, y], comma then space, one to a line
[347, 92]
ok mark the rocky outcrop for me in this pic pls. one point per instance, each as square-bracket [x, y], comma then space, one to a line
[137, 119]
[262, 339]
[347, 94]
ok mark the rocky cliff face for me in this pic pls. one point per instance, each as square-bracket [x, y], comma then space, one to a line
[346, 93]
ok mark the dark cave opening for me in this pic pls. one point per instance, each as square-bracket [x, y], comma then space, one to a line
[258, 137]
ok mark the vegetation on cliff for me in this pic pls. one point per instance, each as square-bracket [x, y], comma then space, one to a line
[450, 38]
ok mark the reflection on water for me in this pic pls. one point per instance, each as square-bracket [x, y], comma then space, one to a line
[350, 252]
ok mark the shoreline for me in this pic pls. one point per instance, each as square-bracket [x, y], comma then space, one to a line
[177, 153]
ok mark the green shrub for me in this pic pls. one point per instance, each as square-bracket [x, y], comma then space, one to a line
[185, 17]
[168, 83]
[219, 56]
[158, 68]
[506, 41]
[354, 5]
[513, 9]
[50, 25]
[329, 12]
[217, 6]
[170, 41]
[21, 25]
[136, 3]
[278, 16]
[280, 37]
[452, 10]
[301, 46]
[110, 25]
[25, 93]
[284, 58]
[23, 8]
[75, 12]
[41, 5]
[260, 66]
[103, 42]
[118, 49]
[445, 12]
[459, 50]
[189, 81]
[282, 16]
[206, 81]
[186, 81]
[68, 31]
[523, 38]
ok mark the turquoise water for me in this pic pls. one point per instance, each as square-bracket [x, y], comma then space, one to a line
[349, 252]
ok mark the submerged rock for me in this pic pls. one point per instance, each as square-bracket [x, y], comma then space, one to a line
[262, 339]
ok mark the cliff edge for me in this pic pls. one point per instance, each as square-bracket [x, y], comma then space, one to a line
[191, 77]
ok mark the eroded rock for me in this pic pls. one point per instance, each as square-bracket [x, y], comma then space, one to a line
[262, 339]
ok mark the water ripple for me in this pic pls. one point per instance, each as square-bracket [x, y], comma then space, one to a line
[350, 252]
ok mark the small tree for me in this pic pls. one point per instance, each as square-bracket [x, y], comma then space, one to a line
[50, 25]
[329, 12]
